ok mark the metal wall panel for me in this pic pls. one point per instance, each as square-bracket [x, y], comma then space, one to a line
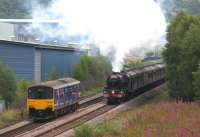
[37, 63]
[19, 58]
[63, 61]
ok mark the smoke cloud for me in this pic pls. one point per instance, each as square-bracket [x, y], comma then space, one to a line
[120, 24]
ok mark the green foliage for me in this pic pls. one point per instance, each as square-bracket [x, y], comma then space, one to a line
[7, 84]
[157, 52]
[54, 74]
[92, 70]
[131, 64]
[182, 55]
[83, 131]
[21, 92]
[13, 9]
[91, 92]
[196, 83]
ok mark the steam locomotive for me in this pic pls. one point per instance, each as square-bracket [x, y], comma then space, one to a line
[120, 86]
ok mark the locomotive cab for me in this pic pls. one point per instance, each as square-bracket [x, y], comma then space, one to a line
[40, 102]
[116, 87]
[51, 99]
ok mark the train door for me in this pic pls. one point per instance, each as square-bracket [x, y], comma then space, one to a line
[76, 92]
[61, 97]
[130, 84]
[73, 93]
[70, 94]
[65, 96]
[56, 103]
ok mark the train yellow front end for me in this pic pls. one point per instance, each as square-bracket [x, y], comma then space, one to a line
[40, 102]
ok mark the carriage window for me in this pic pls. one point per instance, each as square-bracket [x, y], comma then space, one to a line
[40, 93]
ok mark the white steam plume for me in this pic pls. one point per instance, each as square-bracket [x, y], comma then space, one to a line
[124, 24]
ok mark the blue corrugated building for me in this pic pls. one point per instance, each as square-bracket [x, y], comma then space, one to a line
[35, 62]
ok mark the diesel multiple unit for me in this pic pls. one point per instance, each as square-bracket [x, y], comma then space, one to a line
[53, 98]
[122, 85]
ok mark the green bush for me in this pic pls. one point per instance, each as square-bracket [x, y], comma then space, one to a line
[7, 84]
[83, 131]
[21, 93]
[54, 74]
[182, 55]
[9, 116]
[92, 70]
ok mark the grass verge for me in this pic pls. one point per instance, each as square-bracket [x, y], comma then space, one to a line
[11, 116]
[158, 117]
[91, 92]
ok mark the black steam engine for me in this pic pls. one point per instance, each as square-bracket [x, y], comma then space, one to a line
[123, 85]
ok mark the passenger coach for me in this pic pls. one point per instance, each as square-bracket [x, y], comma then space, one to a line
[53, 98]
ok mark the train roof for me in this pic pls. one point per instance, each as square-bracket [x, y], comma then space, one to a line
[59, 83]
[146, 69]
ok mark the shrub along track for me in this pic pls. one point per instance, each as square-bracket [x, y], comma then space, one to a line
[32, 125]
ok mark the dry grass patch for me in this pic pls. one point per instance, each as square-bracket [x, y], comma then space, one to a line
[159, 120]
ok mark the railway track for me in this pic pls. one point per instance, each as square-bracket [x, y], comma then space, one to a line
[30, 126]
[76, 122]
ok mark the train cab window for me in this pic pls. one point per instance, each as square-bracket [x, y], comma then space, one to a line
[40, 93]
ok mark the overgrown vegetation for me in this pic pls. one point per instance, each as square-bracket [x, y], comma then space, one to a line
[54, 74]
[92, 70]
[159, 116]
[21, 94]
[11, 116]
[92, 91]
[7, 84]
[182, 56]
[163, 120]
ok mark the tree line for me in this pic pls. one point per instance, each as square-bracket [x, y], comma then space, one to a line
[92, 70]
[182, 56]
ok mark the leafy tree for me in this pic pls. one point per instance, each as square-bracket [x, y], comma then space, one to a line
[7, 84]
[92, 70]
[132, 64]
[182, 55]
[21, 93]
[196, 83]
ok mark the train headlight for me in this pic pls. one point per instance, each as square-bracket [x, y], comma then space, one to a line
[113, 92]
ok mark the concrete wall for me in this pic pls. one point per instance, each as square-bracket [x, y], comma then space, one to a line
[7, 31]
